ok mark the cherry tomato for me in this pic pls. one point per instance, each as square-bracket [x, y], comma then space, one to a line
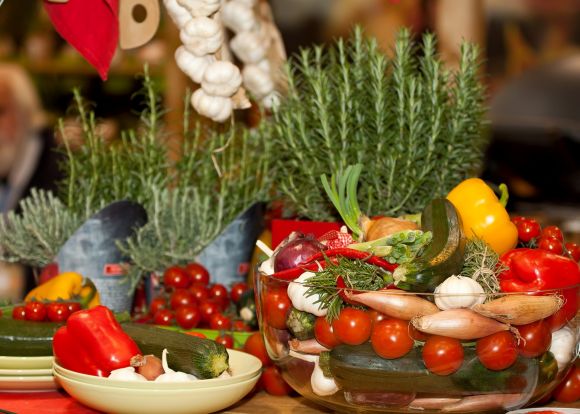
[536, 338]
[163, 317]
[518, 219]
[176, 277]
[197, 273]
[237, 290]
[273, 382]
[498, 351]
[19, 312]
[276, 308]
[220, 293]
[390, 338]
[226, 340]
[255, 346]
[57, 311]
[352, 327]
[240, 326]
[181, 297]
[550, 244]
[197, 334]
[74, 307]
[156, 304]
[376, 317]
[528, 229]
[442, 355]
[569, 389]
[220, 322]
[200, 291]
[417, 335]
[573, 250]
[187, 316]
[207, 308]
[35, 311]
[324, 333]
[553, 231]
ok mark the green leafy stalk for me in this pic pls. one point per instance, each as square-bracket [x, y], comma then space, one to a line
[400, 247]
[482, 264]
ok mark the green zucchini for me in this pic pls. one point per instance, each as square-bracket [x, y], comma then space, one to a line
[26, 338]
[200, 357]
[443, 257]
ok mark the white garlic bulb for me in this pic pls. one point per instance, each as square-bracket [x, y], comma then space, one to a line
[192, 65]
[247, 3]
[458, 292]
[202, 36]
[249, 47]
[257, 81]
[238, 17]
[200, 8]
[178, 14]
[272, 100]
[221, 78]
[216, 108]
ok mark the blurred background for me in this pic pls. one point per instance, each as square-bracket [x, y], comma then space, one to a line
[531, 67]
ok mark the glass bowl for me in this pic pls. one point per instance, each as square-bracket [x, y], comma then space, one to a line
[418, 381]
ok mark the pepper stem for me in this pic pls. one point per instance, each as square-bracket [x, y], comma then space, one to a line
[504, 194]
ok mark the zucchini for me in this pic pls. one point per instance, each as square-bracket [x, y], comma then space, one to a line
[200, 357]
[26, 338]
[443, 257]
[360, 369]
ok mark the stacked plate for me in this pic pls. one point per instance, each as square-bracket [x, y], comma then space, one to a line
[202, 396]
[26, 374]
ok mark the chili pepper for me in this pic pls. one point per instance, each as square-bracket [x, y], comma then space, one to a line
[70, 354]
[69, 286]
[342, 288]
[531, 270]
[356, 255]
[98, 332]
[291, 274]
[483, 215]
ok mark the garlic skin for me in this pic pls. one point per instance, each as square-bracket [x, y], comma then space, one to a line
[458, 292]
[247, 3]
[202, 36]
[200, 8]
[178, 14]
[238, 17]
[216, 108]
[257, 81]
[221, 78]
[126, 374]
[249, 47]
[297, 295]
[192, 65]
[564, 346]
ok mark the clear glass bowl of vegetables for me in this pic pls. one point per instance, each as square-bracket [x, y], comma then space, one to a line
[422, 319]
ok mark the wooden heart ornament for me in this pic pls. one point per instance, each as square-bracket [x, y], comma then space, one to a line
[90, 26]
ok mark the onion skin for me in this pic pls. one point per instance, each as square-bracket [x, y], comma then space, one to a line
[384, 226]
[459, 324]
[478, 403]
[308, 346]
[520, 309]
[296, 252]
[432, 403]
[395, 303]
[149, 366]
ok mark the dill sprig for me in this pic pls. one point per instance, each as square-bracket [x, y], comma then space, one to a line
[357, 275]
[482, 264]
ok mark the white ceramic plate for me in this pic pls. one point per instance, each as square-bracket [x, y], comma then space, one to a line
[11, 362]
[25, 372]
[537, 409]
[33, 383]
[114, 399]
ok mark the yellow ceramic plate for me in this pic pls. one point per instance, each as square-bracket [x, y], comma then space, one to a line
[243, 366]
[114, 399]
[11, 362]
[33, 383]
[25, 372]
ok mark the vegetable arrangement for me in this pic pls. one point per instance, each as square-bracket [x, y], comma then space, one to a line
[460, 319]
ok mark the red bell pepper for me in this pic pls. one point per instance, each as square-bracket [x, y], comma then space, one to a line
[70, 354]
[100, 336]
[531, 270]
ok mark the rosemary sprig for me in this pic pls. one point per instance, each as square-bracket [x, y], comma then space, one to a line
[357, 275]
[482, 265]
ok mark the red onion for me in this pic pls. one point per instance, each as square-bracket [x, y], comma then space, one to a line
[296, 251]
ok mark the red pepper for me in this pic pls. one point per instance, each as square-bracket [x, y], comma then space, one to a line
[291, 274]
[100, 335]
[356, 255]
[69, 353]
[532, 270]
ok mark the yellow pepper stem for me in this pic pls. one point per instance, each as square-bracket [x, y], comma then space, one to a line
[504, 194]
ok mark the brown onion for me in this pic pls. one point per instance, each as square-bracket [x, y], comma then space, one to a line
[384, 226]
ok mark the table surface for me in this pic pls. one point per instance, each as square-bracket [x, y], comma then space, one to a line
[58, 402]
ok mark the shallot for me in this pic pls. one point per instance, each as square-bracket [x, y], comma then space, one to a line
[308, 346]
[432, 403]
[520, 309]
[480, 403]
[395, 303]
[147, 365]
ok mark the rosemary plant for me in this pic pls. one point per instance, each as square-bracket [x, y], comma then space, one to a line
[482, 264]
[415, 127]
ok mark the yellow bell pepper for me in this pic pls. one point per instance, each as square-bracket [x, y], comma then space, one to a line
[66, 286]
[484, 215]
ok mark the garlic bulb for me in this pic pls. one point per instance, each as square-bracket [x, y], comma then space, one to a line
[563, 346]
[300, 300]
[221, 78]
[272, 100]
[249, 47]
[257, 81]
[238, 17]
[458, 292]
[202, 36]
[126, 374]
[178, 14]
[216, 108]
[200, 8]
[247, 3]
[192, 65]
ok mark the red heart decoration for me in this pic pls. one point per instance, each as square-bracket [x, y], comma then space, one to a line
[90, 26]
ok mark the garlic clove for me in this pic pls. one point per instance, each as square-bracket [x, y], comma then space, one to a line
[257, 81]
[192, 65]
[202, 36]
[250, 47]
[126, 374]
[200, 8]
[180, 15]
[221, 78]
[216, 108]
[238, 17]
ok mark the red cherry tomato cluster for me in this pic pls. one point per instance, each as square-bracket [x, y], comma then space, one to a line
[550, 238]
[45, 312]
